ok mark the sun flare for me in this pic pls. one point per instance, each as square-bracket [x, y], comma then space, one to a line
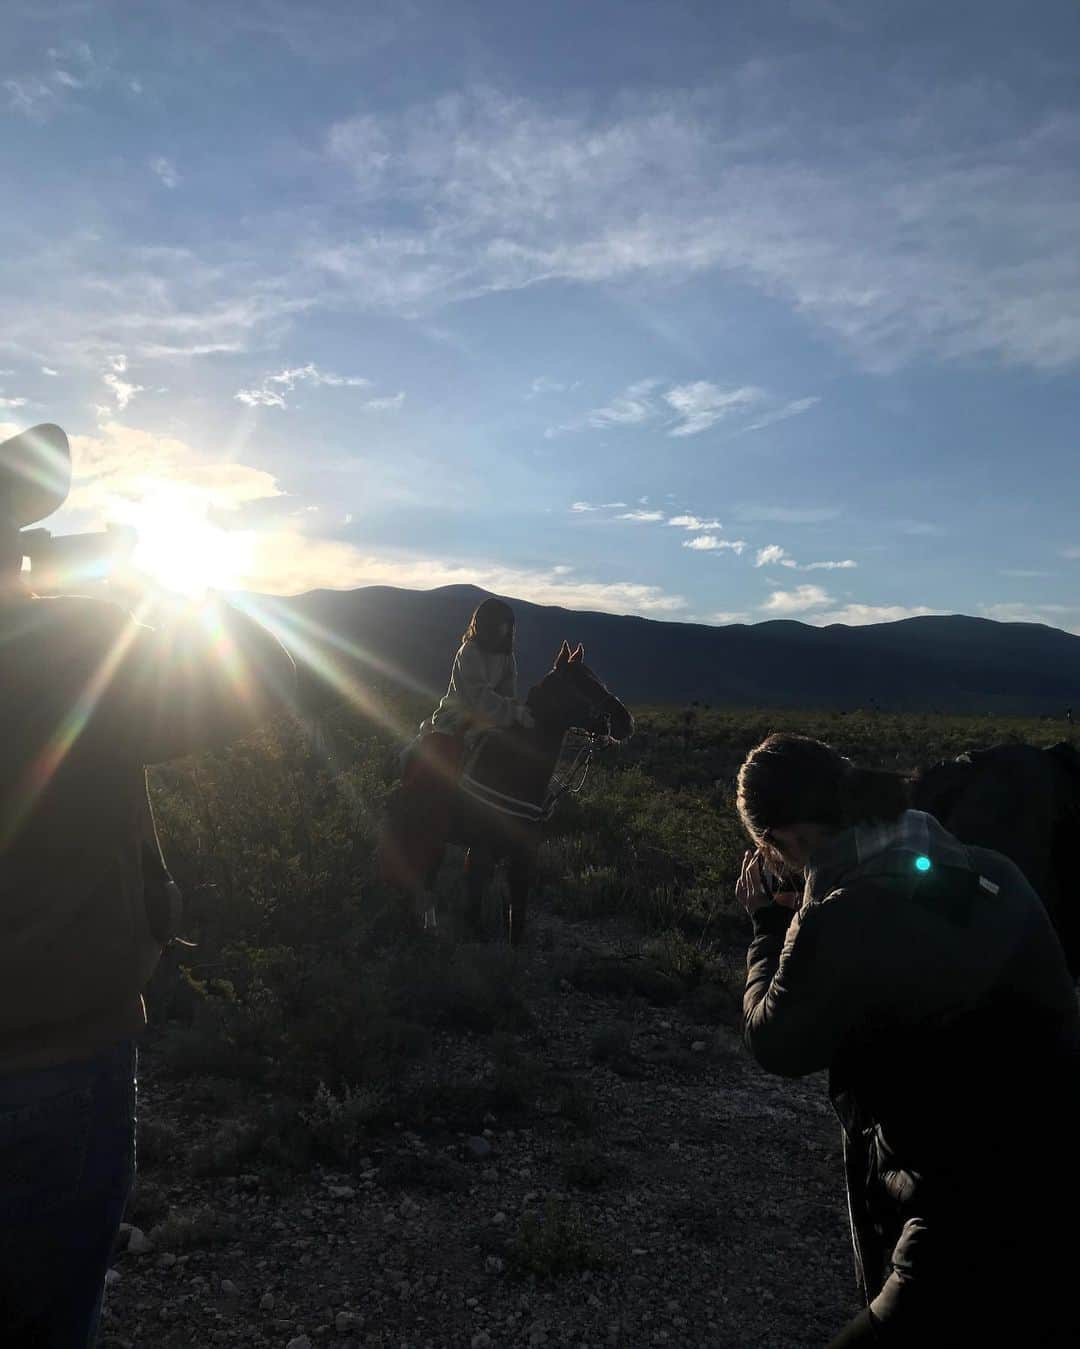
[180, 548]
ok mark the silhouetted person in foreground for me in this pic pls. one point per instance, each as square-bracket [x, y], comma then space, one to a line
[926, 977]
[88, 698]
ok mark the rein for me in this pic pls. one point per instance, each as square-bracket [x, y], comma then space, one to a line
[568, 783]
[574, 780]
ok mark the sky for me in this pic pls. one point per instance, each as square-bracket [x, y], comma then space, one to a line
[710, 313]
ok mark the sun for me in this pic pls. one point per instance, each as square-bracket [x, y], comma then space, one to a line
[179, 548]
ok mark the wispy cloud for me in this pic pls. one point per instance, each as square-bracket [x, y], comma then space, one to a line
[1023, 573]
[786, 515]
[275, 390]
[544, 384]
[628, 409]
[814, 604]
[858, 615]
[68, 68]
[48, 370]
[1072, 553]
[773, 555]
[585, 507]
[643, 517]
[797, 601]
[709, 543]
[692, 522]
[123, 390]
[920, 528]
[13, 402]
[701, 405]
[724, 616]
[904, 241]
[783, 414]
[122, 463]
[1064, 616]
[684, 409]
[288, 562]
[165, 170]
[392, 403]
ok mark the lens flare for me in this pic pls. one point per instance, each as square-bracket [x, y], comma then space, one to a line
[179, 548]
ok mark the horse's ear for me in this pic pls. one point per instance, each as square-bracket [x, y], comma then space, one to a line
[579, 654]
[564, 655]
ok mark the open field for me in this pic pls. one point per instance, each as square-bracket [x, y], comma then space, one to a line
[345, 1134]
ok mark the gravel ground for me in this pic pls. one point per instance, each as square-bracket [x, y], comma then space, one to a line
[690, 1199]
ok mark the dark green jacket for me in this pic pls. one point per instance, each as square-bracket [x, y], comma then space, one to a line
[940, 1003]
[88, 698]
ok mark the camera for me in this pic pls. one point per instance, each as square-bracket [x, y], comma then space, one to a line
[57, 562]
[35, 479]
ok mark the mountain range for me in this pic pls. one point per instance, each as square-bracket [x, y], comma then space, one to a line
[404, 641]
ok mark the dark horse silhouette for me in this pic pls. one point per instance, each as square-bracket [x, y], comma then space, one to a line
[1023, 802]
[498, 809]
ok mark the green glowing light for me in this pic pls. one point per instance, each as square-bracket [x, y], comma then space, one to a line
[922, 864]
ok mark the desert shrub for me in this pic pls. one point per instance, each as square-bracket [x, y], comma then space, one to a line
[158, 1143]
[229, 1151]
[554, 1243]
[586, 1167]
[472, 987]
[338, 1124]
[625, 977]
[194, 1229]
[147, 1204]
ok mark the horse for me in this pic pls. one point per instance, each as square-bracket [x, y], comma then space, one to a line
[504, 796]
[1021, 801]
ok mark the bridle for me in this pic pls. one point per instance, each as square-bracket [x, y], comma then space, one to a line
[594, 709]
[565, 782]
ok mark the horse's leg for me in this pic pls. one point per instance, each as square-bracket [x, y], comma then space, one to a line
[478, 870]
[519, 882]
[425, 895]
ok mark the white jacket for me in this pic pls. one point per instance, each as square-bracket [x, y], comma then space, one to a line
[482, 694]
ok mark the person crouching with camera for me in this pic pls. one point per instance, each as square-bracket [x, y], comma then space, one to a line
[926, 977]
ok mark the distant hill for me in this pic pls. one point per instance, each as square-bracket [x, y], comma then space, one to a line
[408, 638]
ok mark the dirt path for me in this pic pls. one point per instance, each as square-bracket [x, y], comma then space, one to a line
[691, 1199]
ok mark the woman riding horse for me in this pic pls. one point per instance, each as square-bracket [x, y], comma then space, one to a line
[505, 796]
[481, 696]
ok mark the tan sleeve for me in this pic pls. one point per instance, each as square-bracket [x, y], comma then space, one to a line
[484, 699]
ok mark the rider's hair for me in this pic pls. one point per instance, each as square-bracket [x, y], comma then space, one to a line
[793, 779]
[491, 626]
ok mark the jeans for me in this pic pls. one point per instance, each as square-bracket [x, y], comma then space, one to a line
[67, 1162]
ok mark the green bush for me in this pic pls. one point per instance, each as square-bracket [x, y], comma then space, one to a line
[554, 1243]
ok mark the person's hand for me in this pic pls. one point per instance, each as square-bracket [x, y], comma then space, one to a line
[752, 888]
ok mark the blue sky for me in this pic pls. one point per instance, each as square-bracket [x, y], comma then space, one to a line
[698, 311]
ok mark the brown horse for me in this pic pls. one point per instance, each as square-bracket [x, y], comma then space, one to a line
[498, 809]
[1023, 802]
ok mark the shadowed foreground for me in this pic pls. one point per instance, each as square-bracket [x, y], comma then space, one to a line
[643, 1183]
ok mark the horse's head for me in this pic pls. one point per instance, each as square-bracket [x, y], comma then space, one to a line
[571, 695]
